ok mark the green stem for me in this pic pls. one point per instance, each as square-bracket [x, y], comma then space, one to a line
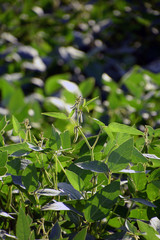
[84, 137]
[56, 171]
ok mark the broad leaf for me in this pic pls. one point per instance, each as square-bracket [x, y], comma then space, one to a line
[81, 235]
[121, 128]
[149, 230]
[55, 232]
[75, 180]
[100, 204]
[121, 157]
[3, 171]
[48, 192]
[65, 139]
[30, 178]
[69, 190]
[58, 115]
[22, 226]
[55, 206]
[143, 201]
[3, 158]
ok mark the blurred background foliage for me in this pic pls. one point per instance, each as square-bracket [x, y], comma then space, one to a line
[53, 51]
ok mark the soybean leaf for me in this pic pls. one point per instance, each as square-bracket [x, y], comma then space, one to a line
[55, 206]
[16, 124]
[139, 179]
[3, 171]
[22, 227]
[87, 86]
[58, 115]
[94, 166]
[130, 227]
[48, 192]
[81, 235]
[70, 87]
[100, 204]
[3, 158]
[20, 153]
[69, 190]
[98, 122]
[143, 201]
[121, 128]
[14, 147]
[55, 232]
[121, 157]
[138, 157]
[65, 139]
[51, 83]
[149, 230]
[90, 101]
[30, 178]
[4, 214]
[153, 190]
[17, 180]
[75, 180]
[34, 148]
[151, 156]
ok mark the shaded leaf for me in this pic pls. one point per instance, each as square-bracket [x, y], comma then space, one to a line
[69, 190]
[55, 232]
[100, 204]
[121, 157]
[143, 201]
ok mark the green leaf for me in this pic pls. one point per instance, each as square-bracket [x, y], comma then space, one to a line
[153, 190]
[140, 214]
[137, 157]
[54, 139]
[100, 204]
[22, 227]
[58, 115]
[87, 86]
[90, 101]
[121, 128]
[98, 122]
[3, 123]
[3, 171]
[130, 227]
[81, 235]
[75, 180]
[51, 83]
[3, 158]
[65, 140]
[14, 147]
[139, 179]
[121, 157]
[16, 103]
[150, 232]
[109, 132]
[94, 166]
[16, 124]
[30, 178]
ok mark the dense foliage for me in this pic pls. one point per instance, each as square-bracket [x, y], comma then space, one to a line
[79, 120]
